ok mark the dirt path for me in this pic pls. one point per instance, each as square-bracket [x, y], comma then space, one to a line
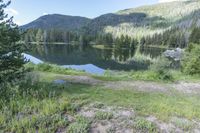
[145, 86]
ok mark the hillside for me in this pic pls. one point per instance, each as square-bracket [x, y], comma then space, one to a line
[147, 20]
[57, 21]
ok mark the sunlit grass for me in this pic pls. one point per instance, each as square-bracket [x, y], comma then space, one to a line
[44, 107]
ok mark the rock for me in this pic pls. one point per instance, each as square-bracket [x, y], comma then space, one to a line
[176, 54]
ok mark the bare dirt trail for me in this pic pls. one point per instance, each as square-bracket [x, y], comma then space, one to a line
[144, 86]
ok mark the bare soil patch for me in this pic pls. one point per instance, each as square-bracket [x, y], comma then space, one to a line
[144, 86]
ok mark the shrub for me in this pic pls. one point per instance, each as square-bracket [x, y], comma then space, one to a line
[191, 61]
[81, 125]
[162, 68]
[144, 125]
[183, 124]
[103, 115]
[44, 67]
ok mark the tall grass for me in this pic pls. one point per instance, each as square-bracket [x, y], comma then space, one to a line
[45, 67]
[35, 106]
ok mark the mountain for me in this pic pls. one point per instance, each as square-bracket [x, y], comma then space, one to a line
[148, 20]
[135, 22]
[63, 22]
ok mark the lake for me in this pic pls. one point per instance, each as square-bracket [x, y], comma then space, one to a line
[91, 59]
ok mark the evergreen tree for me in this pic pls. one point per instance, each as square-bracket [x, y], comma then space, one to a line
[39, 36]
[142, 41]
[195, 36]
[11, 59]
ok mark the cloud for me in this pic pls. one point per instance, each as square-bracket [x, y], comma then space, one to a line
[45, 13]
[18, 22]
[12, 12]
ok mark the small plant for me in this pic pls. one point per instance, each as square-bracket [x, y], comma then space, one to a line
[144, 125]
[184, 124]
[162, 68]
[81, 125]
[103, 115]
[98, 105]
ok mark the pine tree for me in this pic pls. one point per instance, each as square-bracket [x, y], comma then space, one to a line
[195, 36]
[11, 59]
[39, 36]
[142, 41]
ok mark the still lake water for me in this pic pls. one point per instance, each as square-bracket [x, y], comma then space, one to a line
[89, 59]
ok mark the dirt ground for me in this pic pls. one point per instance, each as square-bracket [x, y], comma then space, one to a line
[123, 120]
[145, 86]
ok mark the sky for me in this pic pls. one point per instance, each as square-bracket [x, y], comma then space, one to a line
[25, 11]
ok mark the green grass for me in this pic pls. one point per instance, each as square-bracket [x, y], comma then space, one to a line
[37, 108]
[43, 106]
[147, 75]
[45, 67]
[144, 103]
[56, 72]
[36, 104]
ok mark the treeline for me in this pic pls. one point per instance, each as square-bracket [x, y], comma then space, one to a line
[174, 37]
[125, 47]
[52, 35]
[171, 38]
[56, 35]
[195, 36]
[126, 42]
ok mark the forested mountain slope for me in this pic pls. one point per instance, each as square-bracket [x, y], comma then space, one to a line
[148, 20]
[57, 21]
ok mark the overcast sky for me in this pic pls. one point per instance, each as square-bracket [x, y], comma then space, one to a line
[25, 11]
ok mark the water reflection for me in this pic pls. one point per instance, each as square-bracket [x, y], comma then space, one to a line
[32, 59]
[153, 52]
[110, 57]
[89, 68]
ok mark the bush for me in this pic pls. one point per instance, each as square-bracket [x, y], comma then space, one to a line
[191, 61]
[162, 68]
[144, 125]
[103, 115]
[81, 125]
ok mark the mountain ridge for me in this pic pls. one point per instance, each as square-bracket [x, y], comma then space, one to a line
[58, 21]
[137, 22]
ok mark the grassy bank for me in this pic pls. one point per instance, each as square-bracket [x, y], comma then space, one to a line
[148, 75]
[45, 67]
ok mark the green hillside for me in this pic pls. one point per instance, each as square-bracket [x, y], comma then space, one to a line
[147, 20]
